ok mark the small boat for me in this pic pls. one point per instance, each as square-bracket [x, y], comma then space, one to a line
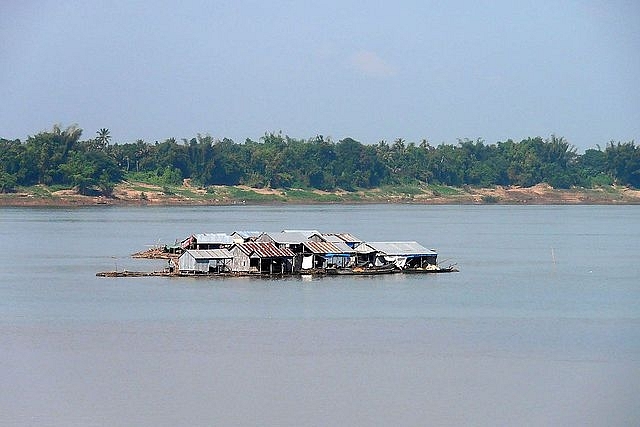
[432, 269]
[363, 270]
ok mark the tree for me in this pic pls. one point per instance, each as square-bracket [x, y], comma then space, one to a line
[46, 151]
[592, 169]
[623, 163]
[79, 173]
[103, 138]
[7, 181]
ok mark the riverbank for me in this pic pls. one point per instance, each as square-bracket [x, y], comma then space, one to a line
[141, 194]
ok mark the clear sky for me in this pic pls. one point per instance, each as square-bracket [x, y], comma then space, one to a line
[367, 70]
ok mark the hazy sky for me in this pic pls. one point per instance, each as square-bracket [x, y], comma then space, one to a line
[368, 70]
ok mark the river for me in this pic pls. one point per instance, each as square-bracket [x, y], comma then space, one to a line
[541, 326]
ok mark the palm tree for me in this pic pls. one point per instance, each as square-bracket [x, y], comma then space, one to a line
[103, 138]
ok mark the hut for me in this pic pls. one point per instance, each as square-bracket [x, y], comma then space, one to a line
[261, 257]
[205, 261]
[245, 236]
[404, 255]
[286, 239]
[337, 238]
[320, 255]
[207, 241]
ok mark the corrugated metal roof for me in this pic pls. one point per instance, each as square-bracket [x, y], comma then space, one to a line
[395, 248]
[265, 250]
[210, 254]
[349, 238]
[345, 248]
[344, 237]
[289, 237]
[364, 249]
[332, 238]
[327, 248]
[213, 238]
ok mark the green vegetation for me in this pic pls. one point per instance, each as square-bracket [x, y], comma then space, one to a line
[60, 158]
[406, 190]
[311, 196]
[440, 190]
[250, 195]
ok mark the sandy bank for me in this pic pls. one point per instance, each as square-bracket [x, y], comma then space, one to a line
[142, 194]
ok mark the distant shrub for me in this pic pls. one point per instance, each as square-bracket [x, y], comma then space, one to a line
[490, 199]
[166, 176]
[601, 180]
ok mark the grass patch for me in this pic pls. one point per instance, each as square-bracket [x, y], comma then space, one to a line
[186, 192]
[444, 190]
[144, 188]
[407, 190]
[351, 197]
[240, 194]
[37, 190]
[310, 196]
[58, 187]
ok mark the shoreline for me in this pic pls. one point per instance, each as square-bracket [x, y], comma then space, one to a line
[142, 194]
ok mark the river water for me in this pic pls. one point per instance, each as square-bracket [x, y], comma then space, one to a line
[541, 326]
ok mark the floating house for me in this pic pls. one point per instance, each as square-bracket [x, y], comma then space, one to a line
[245, 236]
[405, 255]
[297, 252]
[322, 255]
[262, 257]
[207, 241]
[348, 238]
[286, 239]
[205, 261]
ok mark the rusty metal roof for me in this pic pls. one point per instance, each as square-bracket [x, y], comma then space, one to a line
[327, 248]
[264, 250]
[332, 238]
[345, 237]
[349, 238]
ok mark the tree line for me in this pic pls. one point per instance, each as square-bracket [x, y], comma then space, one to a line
[60, 158]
